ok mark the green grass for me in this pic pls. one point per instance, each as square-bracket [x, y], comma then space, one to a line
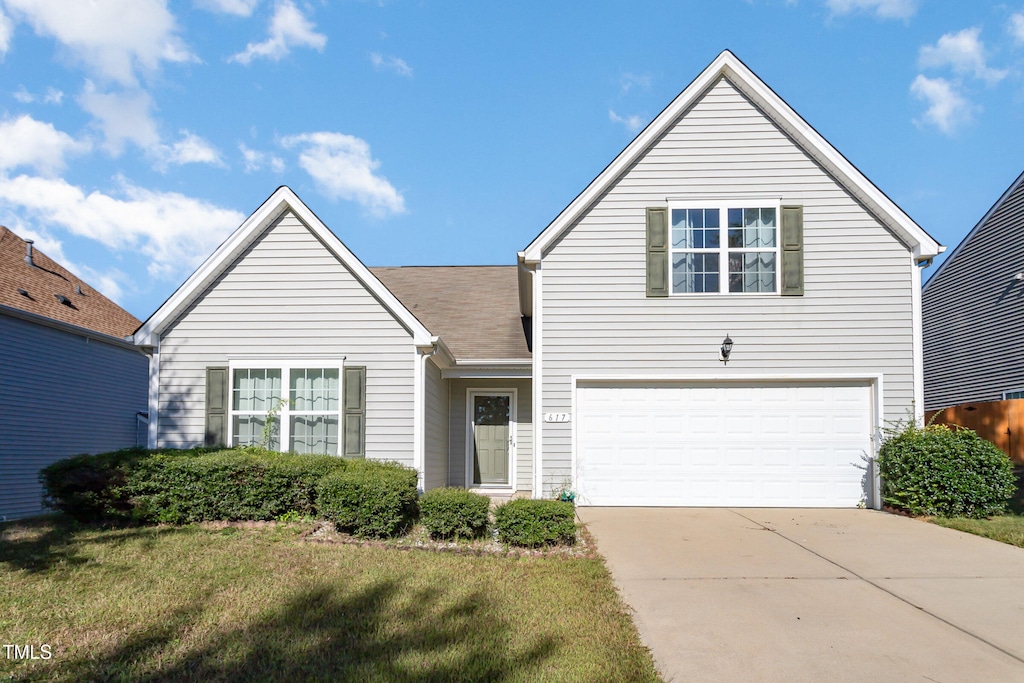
[199, 604]
[1005, 528]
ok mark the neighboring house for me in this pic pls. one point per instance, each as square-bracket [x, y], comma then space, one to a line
[974, 312]
[71, 382]
[594, 364]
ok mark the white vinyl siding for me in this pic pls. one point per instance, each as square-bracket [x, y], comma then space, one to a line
[65, 394]
[855, 318]
[287, 295]
[457, 428]
[435, 458]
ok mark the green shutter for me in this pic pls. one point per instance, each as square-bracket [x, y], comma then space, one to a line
[657, 251]
[792, 251]
[354, 412]
[216, 407]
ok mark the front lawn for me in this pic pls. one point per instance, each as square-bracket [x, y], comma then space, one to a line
[249, 604]
[1005, 528]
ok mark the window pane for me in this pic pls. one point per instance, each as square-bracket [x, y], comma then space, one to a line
[314, 389]
[694, 273]
[751, 228]
[256, 390]
[314, 434]
[247, 430]
[695, 229]
[752, 271]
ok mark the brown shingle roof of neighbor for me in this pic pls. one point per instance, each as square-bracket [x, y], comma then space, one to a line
[53, 291]
[474, 309]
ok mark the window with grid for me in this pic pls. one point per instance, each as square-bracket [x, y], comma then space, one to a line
[724, 249]
[290, 408]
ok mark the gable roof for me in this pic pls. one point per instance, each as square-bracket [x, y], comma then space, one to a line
[475, 309]
[277, 204]
[47, 280]
[728, 66]
[1017, 184]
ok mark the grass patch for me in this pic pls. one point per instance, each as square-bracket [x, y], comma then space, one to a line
[240, 604]
[1005, 528]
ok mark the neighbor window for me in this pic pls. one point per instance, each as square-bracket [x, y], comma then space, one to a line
[724, 248]
[286, 408]
[1013, 394]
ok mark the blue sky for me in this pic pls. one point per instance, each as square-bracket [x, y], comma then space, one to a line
[135, 135]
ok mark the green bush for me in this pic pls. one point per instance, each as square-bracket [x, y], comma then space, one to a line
[231, 485]
[939, 471]
[454, 513]
[532, 523]
[91, 488]
[369, 499]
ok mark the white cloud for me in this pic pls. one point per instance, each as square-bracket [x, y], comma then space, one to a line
[962, 51]
[633, 122]
[629, 80]
[239, 8]
[190, 149]
[6, 31]
[34, 144]
[173, 231]
[255, 160]
[947, 109]
[391, 63]
[113, 38]
[883, 9]
[123, 117]
[1017, 27]
[342, 167]
[289, 28]
[52, 96]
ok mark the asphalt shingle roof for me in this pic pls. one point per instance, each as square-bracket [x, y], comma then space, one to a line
[474, 309]
[47, 281]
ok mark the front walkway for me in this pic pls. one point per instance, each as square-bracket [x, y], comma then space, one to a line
[815, 595]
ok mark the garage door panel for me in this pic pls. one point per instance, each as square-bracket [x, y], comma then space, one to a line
[795, 445]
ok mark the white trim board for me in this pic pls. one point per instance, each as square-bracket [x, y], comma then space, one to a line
[728, 66]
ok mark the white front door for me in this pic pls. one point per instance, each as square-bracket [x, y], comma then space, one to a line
[699, 444]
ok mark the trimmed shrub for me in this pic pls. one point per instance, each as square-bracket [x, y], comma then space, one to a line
[531, 523]
[91, 488]
[234, 485]
[369, 499]
[454, 513]
[938, 471]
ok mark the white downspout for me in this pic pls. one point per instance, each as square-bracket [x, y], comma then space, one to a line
[154, 395]
[419, 411]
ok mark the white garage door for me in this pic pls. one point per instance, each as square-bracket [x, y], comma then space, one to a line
[794, 445]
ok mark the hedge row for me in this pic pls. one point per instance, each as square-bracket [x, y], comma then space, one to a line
[363, 497]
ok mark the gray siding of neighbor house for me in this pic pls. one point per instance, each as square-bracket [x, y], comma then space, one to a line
[973, 313]
[64, 394]
[460, 426]
[436, 427]
[855, 316]
[288, 295]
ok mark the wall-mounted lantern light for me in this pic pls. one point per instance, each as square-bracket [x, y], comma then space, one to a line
[725, 350]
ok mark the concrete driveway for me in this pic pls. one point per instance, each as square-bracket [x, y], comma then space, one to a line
[815, 595]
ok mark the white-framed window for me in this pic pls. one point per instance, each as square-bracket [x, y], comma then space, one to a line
[292, 405]
[729, 247]
[1018, 393]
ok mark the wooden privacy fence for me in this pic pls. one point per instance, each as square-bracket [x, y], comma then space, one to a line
[1001, 422]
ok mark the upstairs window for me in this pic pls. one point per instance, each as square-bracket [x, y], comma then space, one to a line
[724, 249]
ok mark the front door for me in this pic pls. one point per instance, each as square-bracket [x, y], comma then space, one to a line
[491, 428]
